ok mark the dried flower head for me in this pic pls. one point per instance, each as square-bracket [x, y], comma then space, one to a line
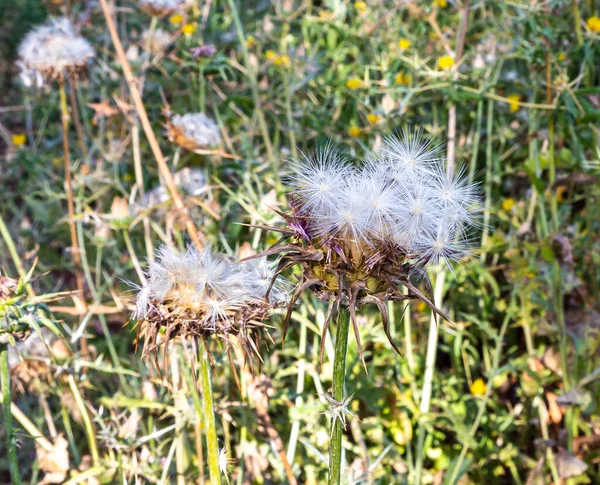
[160, 8]
[362, 233]
[193, 131]
[203, 294]
[55, 50]
[156, 41]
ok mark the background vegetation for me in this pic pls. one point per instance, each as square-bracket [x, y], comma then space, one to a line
[511, 87]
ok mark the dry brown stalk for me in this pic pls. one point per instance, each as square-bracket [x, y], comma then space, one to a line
[132, 82]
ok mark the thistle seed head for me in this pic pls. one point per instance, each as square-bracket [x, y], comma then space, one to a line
[202, 294]
[55, 50]
[194, 131]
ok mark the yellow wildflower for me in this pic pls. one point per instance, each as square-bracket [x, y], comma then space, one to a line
[19, 140]
[562, 56]
[250, 41]
[283, 60]
[593, 23]
[560, 193]
[373, 118]
[360, 6]
[513, 102]
[446, 62]
[176, 19]
[404, 44]
[270, 55]
[403, 79]
[478, 387]
[354, 83]
[189, 29]
[508, 204]
[421, 306]
[441, 3]
[355, 132]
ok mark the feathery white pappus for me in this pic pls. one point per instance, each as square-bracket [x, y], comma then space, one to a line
[195, 129]
[400, 195]
[207, 282]
[55, 50]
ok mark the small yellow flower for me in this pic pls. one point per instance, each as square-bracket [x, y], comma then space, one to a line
[189, 29]
[513, 102]
[421, 306]
[478, 387]
[354, 83]
[404, 44]
[176, 19]
[562, 56]
[508, 204]
[19, 140]
[446, 62]
[355, 132]
[403, 79]
[373, 118]
[270, 55]
[250, 41]
[593, 23]
[282, 61]
[560, 193]
[360, 6]
[441, 3]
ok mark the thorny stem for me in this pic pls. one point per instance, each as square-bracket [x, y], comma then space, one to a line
[212, 443]
[339, 374]
[13, 463]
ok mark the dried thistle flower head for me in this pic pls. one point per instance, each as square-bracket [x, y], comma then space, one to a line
[160, 8]
[202, 294]
[156, 41]
[193, 131]
[55, 50]
[362, 233]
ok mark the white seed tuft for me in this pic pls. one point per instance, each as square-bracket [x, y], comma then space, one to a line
[55, 50]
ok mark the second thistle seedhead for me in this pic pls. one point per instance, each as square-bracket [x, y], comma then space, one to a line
[362, 234]
[193, 131]
[201, 294]
[55, 51]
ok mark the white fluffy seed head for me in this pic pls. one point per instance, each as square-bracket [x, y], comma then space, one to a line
[55, 50]
[401, 194]
[195, 130]
[318, 181]
[205, 279]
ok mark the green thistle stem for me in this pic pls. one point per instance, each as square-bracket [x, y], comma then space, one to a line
[209, 416]
[339, 373]
[13, 463]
